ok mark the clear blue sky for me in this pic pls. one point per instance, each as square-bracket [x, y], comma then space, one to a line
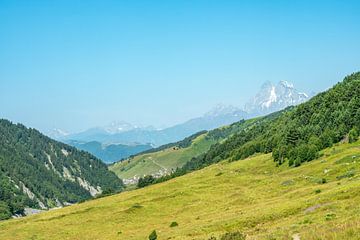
[77, 64]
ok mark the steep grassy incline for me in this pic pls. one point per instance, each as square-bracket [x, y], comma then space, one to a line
[318, 200]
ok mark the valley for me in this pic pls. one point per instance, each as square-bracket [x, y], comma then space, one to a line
[159, 163]
[252, 196]
[179, 120]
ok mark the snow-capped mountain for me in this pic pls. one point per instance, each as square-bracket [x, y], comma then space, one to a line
[269, 99]
[118, 127]
[272, 98]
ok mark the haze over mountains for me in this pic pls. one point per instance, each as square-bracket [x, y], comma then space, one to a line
[270, 98]
[296, 160]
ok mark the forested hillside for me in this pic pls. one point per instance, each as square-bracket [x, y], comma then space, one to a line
[250, 198]
[39, 172]
[295, 135]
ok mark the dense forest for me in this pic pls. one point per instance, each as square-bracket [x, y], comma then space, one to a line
[294, 135]
[36, 171]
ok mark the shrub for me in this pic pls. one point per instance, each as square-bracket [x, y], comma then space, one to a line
[153, 235]
[353, 135]
[330, 216]
[174, 224]
[146, 181]
[5, 212]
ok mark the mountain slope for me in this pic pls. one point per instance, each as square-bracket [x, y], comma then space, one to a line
[39, 172]
[296, 134]
[272, 98]
[251, 196]
[110, 153]
[219, 116]
[162, 161]
[165, 159]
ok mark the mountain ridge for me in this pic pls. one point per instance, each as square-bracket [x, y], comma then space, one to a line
[38, 172]
[269, 99]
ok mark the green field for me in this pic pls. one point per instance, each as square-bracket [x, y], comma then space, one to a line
[171, 158]
[165, 160]
[318, 200]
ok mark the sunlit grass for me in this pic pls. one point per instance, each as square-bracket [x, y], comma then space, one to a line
[169, 159]
[252, 196]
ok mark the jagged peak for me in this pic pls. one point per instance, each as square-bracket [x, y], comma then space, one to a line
[286, 84]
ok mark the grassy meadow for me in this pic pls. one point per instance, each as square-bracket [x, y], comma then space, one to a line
[318, 200]
[151, 163]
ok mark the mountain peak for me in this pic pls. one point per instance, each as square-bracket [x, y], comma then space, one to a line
[273, 98]
[286, 84]
[267, 85]
[118, 126]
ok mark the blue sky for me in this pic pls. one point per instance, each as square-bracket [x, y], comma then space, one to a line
[78, 64]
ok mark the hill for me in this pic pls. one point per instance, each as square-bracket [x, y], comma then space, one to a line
[110, 153]
[167, 158]
[295, 135]
[162, 160]
[38, 172]
[318, 200]
[156, 137]
[270, 98]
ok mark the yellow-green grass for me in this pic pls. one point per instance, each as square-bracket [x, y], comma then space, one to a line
[169, 159]
[252, 196]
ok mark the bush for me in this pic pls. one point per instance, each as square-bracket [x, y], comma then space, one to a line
[5, 212]
[353, 135]
[174, 224]
[153, 235]
[146, 181]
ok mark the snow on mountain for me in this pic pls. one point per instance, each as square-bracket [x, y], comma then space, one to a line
[272, 98]
[269, 99]
[118, 127]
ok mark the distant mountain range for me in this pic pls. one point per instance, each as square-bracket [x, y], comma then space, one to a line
[270, 98]
[110, 153]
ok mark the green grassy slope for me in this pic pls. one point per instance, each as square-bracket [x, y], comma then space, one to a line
[318, 200]
[164, 160]
[171, 156]
[295, 135]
